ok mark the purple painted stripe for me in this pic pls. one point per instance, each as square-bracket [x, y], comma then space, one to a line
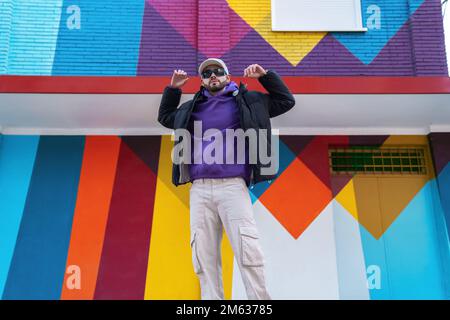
[162, 48]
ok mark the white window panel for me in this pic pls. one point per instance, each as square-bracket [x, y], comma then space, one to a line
[317, 15]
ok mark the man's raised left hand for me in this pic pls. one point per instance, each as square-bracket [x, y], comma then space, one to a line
[254, 71]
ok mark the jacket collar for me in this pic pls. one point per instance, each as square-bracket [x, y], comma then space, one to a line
[242, 87]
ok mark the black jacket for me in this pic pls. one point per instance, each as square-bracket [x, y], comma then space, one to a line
[255, 109]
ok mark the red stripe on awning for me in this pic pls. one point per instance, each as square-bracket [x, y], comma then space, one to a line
[156, 85]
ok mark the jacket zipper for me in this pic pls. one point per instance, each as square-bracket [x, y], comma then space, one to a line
[252, 175]
[185, 125]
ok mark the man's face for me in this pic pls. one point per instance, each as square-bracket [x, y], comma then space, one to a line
[215, 83]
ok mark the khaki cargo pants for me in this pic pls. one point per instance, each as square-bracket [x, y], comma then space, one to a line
[218, 203]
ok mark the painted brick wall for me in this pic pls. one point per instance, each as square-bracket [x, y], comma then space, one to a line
[169, 36]
[107, 42]
[33, 32]
[5, 31]
[410, 41]
[427, 37]
[153, 37]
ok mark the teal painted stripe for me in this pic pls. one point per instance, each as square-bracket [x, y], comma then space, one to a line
[107, 42]
[442, 230]
[375, 262]
[17, 155]
[33, 35]
[409, 253]
[368, 44]
[38, 265]
[443, 196]
[6, 10]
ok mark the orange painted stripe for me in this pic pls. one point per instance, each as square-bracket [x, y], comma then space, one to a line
[91, 213]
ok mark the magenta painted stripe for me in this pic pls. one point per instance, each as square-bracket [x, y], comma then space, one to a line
[180, 14]
[123, 264]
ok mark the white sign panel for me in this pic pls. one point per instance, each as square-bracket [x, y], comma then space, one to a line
[316, 15]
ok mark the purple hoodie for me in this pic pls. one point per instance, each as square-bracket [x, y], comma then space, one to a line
[220, 112]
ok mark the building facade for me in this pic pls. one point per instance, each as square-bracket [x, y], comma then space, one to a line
[361, 205]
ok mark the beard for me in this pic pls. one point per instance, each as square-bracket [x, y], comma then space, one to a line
[214, 87]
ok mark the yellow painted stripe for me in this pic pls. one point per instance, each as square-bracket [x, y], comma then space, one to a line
[293, 46]
[170, 274]
[227, 267]
[346, 198]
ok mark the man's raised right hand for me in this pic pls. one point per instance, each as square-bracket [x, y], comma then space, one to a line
[179, 78]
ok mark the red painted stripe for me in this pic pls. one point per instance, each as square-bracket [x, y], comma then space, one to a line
[156, 85]
[123, 266]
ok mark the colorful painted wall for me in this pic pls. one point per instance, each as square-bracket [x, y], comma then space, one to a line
[103, 209]
[153, 37]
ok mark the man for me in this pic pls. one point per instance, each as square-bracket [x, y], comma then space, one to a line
[219, 197]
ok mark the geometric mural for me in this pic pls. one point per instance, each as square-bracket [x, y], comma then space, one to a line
[151, 37]
[293, 46]
[105, 207]
[97, 217]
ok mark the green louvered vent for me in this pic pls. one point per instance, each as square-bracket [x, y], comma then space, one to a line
[376, 160]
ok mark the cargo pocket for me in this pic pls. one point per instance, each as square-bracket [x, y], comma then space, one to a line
[195, 260]
[251, 253]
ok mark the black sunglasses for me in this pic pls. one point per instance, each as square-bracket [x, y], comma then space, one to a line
[219, 72]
